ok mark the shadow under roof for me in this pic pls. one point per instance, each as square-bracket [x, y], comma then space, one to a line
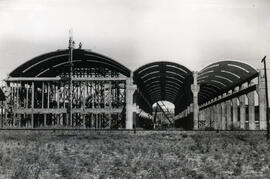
[162, 80]
[222, 76]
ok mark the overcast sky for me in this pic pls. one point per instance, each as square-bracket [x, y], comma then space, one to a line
[193, 33]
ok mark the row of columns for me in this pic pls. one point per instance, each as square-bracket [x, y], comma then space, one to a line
[224, 116]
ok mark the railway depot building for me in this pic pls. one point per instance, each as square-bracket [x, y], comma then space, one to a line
[78, 88]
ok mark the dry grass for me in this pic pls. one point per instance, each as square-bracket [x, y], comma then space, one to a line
[127, 155]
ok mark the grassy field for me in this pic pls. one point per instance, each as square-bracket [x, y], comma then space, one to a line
[171, 154]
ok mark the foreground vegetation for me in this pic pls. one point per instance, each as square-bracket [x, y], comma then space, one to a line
[127, 155]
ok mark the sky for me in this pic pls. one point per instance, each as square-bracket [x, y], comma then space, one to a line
[193, 33]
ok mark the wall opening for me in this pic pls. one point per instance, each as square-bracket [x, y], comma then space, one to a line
[163, 115]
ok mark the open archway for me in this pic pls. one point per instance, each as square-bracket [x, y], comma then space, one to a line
[163, 114]
[163, 80]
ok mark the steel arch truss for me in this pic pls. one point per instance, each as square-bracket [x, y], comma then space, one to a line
[164, 81]
[220, 77]
[57, 63]
[41, 92]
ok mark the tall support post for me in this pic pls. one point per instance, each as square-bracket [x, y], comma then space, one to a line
[215, 118]
[58, 116]
[110, 100]
[110, 95]
[83, 103]
[92, 120]
[43, 101]
[212, 118]
[48, 95]
[223, 116]
[228, 115]
[42, 97]
[17, 106]
[201, 118]
[251, 110]
[71, 47]
[13, 106]
[267, 99]
[218, 116]
[110, 120]
[261, 90]
[235, 113]
[20, 105]
[27, 96]
[96, 121]
[130, 107]
[32, 104]
[195, 90]
[242, 112]
[57, 90]
[207, 117]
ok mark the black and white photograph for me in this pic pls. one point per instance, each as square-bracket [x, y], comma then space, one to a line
[134, 89]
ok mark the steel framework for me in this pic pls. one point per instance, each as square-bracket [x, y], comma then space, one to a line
[78, 88]
[66, 88]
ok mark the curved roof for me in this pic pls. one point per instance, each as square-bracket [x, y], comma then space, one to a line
[222, 76]
[162, 80]
[48, 65]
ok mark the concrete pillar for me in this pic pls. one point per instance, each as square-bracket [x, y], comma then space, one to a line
[45, 120]
[32, 104]
[262, 100]
[228, 115]
[92, 120]
[195, 88]
[130, 107]
[235, 113]
[84, 94]
[251, 110]
[213, 120]
[207, 117]
[202, 117]
[96, 121]
[242, 112]
[218, 116]
[223, 116]
[20, 120]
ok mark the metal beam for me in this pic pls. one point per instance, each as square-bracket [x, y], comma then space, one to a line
[10, 79]
[64, 110]
[231, 96]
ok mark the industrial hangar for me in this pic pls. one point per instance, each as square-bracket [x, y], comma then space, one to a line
[78, 88]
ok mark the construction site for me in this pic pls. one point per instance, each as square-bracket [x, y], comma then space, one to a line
[78, 88]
